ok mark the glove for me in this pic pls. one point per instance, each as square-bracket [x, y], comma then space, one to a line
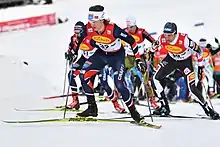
[216, 41]
[151, 56]
[200, 72]
[140, 65]
[209, 46]
[155, 45]
[70, 55]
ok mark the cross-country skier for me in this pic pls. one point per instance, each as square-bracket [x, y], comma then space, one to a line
[208, 52]
[77, 63]
[179, 47]
[107, 38]
[139, 34]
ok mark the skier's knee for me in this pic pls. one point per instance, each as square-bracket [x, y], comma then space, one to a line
[120, 86]
[106, 86]
[71, 75]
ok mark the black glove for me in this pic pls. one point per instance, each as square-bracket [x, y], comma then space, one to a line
[155, 44]
[200, 72]
[151, 57]
[216, 41]
[140, 65]
[70, 55]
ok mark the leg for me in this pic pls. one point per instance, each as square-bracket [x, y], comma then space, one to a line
[104, 82]
[112, 94]
[90, 68]
[129, 65]
[165, 68]
[118, 65]
[209, 75]
[75, 70]
[128, 81]
[138, 83]
[187, 68]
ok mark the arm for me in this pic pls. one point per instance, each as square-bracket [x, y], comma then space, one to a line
[73, 45]
[189, 43]
[147, 36]
[155, 47]
[72, 51]
[213, 52]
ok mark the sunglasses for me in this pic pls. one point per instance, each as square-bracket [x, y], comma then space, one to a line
[78, 29]
[130, 27]
[168, 34]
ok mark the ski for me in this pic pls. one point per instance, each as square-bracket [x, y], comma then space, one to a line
[65, 95]
[83, 119]
[146, 124]
[170, 116]
[215, 96]
[61, 108]
[49, 109]
[84, 103]
[180, 116]
[74, 119]
[204, 117]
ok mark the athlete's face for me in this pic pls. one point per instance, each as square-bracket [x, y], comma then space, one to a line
[131, 29]
[97, 25]
[169, 36]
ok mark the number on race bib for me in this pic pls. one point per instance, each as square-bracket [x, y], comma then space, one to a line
[104, 46]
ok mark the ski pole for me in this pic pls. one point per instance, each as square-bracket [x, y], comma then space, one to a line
[55, 97]
[148, 99]
[64, 83]
[64, 113]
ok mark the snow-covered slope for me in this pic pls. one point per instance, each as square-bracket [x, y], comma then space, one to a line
[21, 86]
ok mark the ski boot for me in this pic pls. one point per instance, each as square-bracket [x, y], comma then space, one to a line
[154, 103]
[116, 105]
[163, 110]
[75, 103]
[211, 113]
[92, 110]
[136, 116]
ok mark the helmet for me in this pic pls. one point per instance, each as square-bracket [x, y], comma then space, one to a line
[79, 28]
[130, 21]
[170, 27]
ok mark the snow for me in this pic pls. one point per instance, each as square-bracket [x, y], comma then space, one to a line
[22, 86]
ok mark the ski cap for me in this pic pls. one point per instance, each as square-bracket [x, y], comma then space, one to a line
[130, 21]
[79, 27]
[170, 27]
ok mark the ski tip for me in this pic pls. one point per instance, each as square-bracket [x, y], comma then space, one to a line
[6, 121]
[147, 125]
